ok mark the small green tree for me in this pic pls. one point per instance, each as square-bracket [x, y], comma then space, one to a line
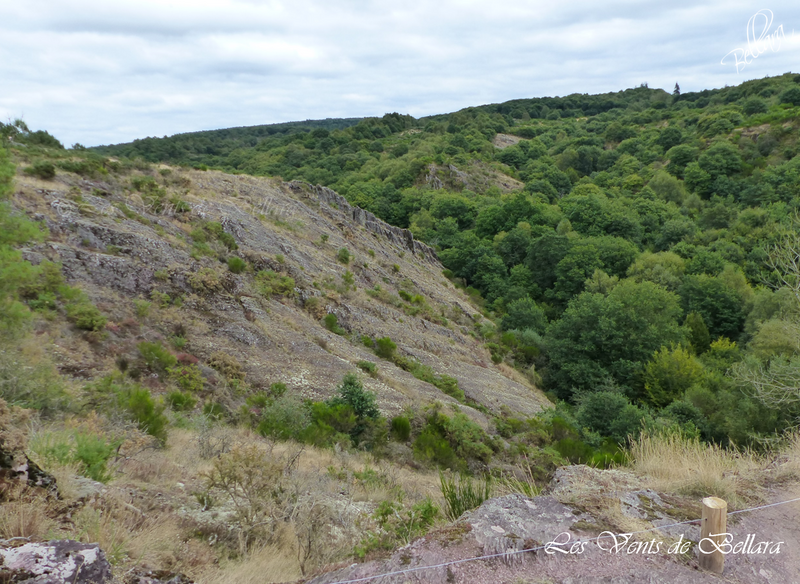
[698, 335]
[362, 402]
[343, 255]
[670, 373]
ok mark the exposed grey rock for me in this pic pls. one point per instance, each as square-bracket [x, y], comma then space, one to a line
[56, 562]
[398, 236]
[512, 523]
[16, 466]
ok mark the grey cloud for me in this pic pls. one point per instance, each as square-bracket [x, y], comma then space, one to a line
[100, 72]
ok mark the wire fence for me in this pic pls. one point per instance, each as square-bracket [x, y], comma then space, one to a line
[541, 547]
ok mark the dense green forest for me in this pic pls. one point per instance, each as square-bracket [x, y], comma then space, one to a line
[632, 251]
[219, 143]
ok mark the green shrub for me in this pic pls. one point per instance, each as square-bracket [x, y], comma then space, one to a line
[188, 377]
[162, 299]
[41, 169]
[332, 324]
[156, 356]
[332, 423]
[178, 342]
[344, 256]
[226, 364]
[214, 411]
[277, 389]
[89, 451]
[205, 281]
[401, 428]
[449, 385]
[284, 417]
[146, 412]
[348, 280]
[269, 283]
[368, 366]
[385, 348]
[86, 316]
[398, 525]
[93, 453]
[367, 341]
[180, 401]
[31, 385]
[228, 241]
[463, 496]
[431, 446]
[352, 393]
[236, 265]
[450, 442]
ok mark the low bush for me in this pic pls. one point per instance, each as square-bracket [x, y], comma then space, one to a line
[214, 411]
[34, 385]
[344, 256]
[368, 366]
[269, 283]
[398, 525]
[385, 348]
[205, 281]
[451, 442]
[227, 365]
[90, 452]
[401, 428]
[86, 316]
[236, 265]
[41, 169]
[180, 401]
[332, 324]
[187, 377]
[285, 417]
[156, 356]
[145, 411]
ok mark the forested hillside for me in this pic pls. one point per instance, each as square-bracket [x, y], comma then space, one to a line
[624, 243]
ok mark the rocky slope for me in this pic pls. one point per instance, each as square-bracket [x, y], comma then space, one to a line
[122, 244]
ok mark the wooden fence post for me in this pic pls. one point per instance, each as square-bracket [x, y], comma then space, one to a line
[714, 522]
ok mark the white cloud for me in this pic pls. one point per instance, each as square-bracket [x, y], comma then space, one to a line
[94, 71]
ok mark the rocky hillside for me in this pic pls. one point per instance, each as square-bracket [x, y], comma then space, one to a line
[151, 238]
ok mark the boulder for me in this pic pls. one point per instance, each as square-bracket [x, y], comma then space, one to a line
[55, 562]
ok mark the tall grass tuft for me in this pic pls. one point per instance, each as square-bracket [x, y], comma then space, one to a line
[463, 495]
[686, 465]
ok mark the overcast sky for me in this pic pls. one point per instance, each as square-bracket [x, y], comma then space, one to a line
[109, 71]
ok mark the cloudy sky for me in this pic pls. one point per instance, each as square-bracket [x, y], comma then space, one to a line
[108, 71]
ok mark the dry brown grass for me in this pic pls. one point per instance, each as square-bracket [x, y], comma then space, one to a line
[675, 463]
[25, 518]
[789, 457]
[268, 564]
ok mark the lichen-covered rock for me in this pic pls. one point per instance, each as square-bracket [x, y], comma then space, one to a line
[55, 562]
[507, 525]
[16, 469]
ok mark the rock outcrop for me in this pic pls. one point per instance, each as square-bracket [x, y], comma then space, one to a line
[400, 237]
[56, 562]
